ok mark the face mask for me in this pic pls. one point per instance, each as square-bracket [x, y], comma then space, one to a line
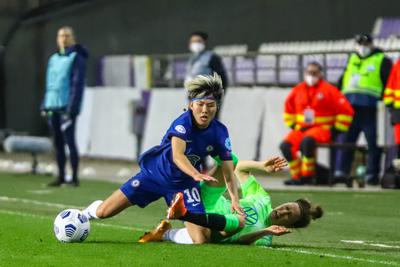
[196, 47]
[363, 51]
[311, 80]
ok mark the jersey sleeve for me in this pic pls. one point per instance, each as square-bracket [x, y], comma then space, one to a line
[180, 128]
[224, 146]
[266, 241]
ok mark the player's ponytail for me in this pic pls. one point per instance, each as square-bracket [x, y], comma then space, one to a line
[316, 212]
[308, 212]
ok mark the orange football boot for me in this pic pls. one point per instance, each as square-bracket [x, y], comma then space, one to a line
[177, 208]
[157, 234]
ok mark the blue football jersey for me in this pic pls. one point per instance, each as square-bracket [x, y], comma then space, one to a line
[213, 141]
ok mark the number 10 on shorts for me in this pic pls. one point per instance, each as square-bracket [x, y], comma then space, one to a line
[192, 195]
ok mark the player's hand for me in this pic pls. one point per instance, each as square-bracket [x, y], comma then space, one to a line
[237, 208]
[203, 177]
[275, 164]
[277, 230]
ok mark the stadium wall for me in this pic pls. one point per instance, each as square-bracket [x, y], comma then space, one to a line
[253, 117]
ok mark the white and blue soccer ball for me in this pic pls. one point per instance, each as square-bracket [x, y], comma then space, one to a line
[71, 226]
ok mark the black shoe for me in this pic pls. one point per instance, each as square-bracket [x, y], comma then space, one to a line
[348, 181]
[55, 183]
[73, 183]
[373, 182]
[307, 180]
[293, 182]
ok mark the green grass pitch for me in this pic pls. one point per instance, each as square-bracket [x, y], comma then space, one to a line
[28, 208]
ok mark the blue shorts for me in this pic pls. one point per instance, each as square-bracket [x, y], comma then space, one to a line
[142, 190]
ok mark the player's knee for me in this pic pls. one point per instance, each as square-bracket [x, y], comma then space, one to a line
[103, 211]
[202, 237]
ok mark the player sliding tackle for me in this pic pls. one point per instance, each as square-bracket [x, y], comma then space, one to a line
[262, 222]
[174, 165]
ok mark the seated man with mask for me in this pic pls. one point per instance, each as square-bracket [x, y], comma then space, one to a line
[315, 111]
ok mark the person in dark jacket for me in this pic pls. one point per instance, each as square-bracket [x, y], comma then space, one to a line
[65, 82]
[204, 61]
[363, 83]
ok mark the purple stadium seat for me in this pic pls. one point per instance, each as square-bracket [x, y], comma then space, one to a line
[387, 27]
[180, 69]
[245, 70]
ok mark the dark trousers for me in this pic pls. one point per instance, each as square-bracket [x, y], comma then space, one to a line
[64, 134]
[365, 120]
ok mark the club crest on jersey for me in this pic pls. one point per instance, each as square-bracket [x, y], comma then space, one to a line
[228, 144]
[320, 96]
[251, 215]
[210, 148]
[193, 159]
[180, 129]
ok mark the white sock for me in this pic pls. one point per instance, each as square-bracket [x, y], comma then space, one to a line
[178, 236]
[90, 211]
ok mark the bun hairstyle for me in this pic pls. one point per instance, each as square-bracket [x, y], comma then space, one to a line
[308, 212]
[205, 86]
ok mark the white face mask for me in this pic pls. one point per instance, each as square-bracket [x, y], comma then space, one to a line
[196, 47]
[311, 80]
[364, 51]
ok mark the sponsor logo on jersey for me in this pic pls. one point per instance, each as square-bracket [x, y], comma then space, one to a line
[193, 159]
[180, 129]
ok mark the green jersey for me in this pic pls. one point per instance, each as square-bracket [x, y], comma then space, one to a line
[256, 203]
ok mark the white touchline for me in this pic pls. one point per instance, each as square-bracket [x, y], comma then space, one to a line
[36, 202]
[369, 243]
[24, 214]
[336, 256]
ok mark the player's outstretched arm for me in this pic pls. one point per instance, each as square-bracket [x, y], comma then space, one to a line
[227, 170]
[251, 238]
[244, 168]
[183, 163]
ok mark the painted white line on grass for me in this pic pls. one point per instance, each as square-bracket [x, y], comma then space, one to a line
[369, 243]
[24, 214]
[383, 246]
[350, 258]
[37, 202]
[353, 241]
[40, 191]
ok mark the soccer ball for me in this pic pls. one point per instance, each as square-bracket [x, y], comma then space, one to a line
[71, 226]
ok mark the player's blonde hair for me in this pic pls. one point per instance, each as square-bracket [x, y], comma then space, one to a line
[204, 86]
